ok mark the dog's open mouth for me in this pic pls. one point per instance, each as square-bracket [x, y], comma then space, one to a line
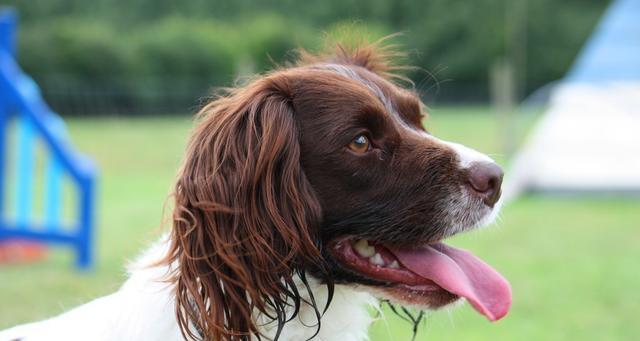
[432, 275]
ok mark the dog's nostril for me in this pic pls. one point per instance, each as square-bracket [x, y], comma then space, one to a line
[485, 178]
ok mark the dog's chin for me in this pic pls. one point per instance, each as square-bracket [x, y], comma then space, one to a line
[492, 215]
[468, 213]
[372, 266]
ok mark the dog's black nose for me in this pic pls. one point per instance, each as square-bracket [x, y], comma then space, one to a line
[485, 179]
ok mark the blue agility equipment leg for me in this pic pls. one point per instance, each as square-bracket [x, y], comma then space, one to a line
[24, 171]
[22, 103]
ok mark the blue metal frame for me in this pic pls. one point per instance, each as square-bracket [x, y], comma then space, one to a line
[20, 98]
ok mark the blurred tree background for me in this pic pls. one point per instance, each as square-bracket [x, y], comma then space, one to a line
[161, 56]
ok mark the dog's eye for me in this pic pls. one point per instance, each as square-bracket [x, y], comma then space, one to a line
[360, 144]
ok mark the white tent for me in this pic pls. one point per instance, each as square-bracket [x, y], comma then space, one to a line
[589, 138]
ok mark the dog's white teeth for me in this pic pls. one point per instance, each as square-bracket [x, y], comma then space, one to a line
[377, 260]
[364, 249]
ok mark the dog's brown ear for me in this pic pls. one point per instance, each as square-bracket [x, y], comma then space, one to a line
[245, 217]
[380, 56]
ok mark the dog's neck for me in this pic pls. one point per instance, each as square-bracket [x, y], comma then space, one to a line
[347, 318]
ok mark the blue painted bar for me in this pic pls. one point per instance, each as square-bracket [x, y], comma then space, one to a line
[8, 27]
[24, 172]
[53, 192]
[54, 174]
[36, 109]
[20, 97]
[7, 43]
[85, 234]
[24, 232]
[4, 118]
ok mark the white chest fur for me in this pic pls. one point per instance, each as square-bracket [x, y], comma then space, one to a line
[143, 309]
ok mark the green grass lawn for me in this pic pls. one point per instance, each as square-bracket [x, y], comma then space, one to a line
[572, 262]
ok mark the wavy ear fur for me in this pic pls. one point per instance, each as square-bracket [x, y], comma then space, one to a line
[245, 217]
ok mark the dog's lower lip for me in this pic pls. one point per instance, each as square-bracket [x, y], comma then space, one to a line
[423, 287]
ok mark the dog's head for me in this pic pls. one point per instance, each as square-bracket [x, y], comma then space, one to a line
[324, 168]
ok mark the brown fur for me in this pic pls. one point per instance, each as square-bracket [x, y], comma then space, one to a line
[267, 184]
[245, 215]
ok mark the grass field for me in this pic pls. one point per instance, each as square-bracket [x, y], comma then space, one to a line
[573, 262]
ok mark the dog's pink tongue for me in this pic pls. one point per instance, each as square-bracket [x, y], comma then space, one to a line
[461, 273]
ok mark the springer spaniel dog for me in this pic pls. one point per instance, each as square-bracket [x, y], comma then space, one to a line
[306, 197]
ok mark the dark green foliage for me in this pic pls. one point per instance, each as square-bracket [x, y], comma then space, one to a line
[161, 55]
